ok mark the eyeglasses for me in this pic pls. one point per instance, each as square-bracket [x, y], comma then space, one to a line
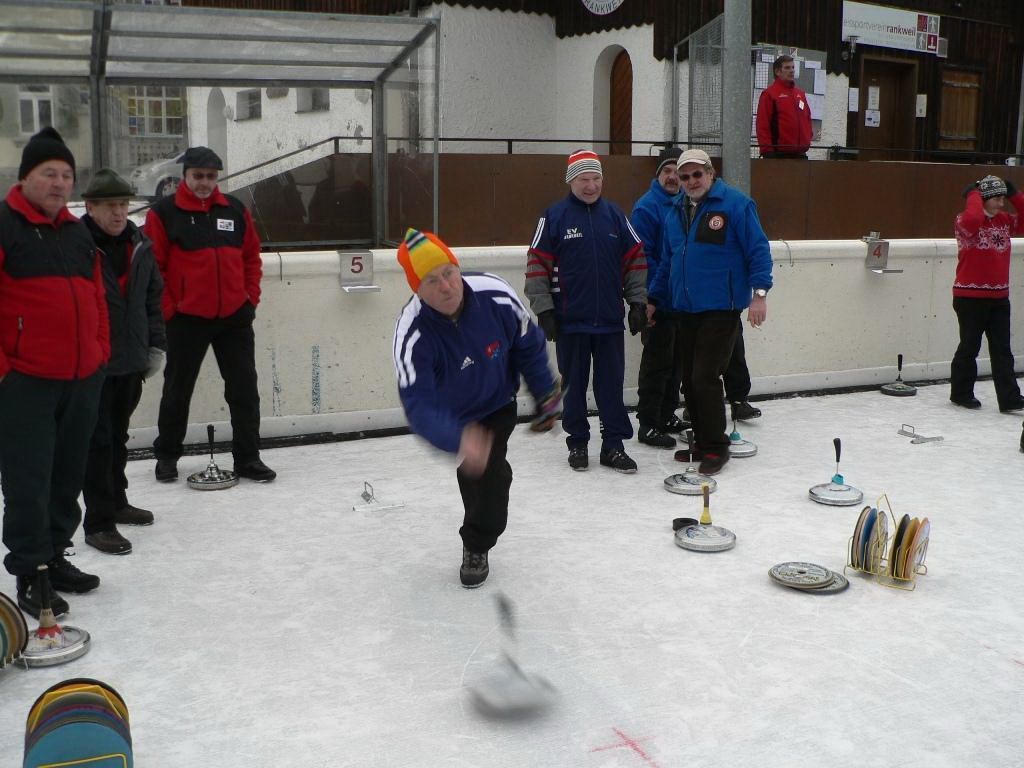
[695, 175]
[198, 176]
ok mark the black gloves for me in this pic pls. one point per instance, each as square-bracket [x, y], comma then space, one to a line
[967, 190]
[1010, 189]
[548, 324]
[549, 409]
[637, 318]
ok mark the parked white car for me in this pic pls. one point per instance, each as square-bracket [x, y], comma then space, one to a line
[157, 179]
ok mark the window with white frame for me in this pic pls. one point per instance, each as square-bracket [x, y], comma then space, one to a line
[155, 110]
[35, 108]
[312, 99]
[249, 104]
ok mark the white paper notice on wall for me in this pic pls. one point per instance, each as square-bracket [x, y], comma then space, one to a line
[922, 105]
[817, 104]
[819, 81]
[853, 102]
[872, 118]
[874, 96]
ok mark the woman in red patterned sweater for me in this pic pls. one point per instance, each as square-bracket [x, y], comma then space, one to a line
[981, 291]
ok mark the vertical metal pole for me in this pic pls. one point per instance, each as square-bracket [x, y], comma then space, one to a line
[379, 146]
[675, 94]
[736, 95]
[437, 121]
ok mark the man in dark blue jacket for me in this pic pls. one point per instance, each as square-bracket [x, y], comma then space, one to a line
[461, 344]
[716, 257]
[137, 345]
[659, 377]
[584, 260]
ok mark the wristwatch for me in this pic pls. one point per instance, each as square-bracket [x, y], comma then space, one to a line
[762, 292]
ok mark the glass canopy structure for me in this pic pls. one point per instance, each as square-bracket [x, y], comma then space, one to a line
[324, 103]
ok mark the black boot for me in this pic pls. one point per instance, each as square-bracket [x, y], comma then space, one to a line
[474, 568]
[65, 577]
[256, 471]
[109, 542]
[29, 602]
[166, 470]
[129, 515]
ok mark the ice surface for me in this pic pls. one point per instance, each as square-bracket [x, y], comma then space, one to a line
[270, 625]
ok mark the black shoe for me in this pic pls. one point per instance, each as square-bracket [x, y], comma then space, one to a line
[109, 542]
[971, 403]
[675, 426]
[255, 470]
[28, 598]
[1022, 442]
[129, 515]
[712, 463]
[744, 411]
[1013, 405]
[67, 578]
[474, 568]
[166, 470]
[618, 460]
[578, 459]
[651, 436]
[687, 456]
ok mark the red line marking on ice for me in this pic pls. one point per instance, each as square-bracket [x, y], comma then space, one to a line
[632, 744]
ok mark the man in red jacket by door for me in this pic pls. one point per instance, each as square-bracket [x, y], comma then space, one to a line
[208, 253]
[783, 115]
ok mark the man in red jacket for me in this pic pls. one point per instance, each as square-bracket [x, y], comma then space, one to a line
[783, 115]
[981, 291]
[54, 339]
[208, 253]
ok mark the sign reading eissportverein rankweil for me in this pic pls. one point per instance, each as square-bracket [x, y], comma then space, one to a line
[890, 27]
[602, 7]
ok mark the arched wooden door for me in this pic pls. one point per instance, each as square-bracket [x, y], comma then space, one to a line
[620, 132]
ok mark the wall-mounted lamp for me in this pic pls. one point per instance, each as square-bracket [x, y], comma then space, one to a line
[851, 49]
[877, 259]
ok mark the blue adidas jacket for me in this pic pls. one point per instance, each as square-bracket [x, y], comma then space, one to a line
[451, 373]
[584, 260]
[648, 219]
[718, 260]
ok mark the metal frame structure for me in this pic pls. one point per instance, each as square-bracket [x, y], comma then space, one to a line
[101, 43]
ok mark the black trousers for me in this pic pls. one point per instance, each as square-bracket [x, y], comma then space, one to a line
[234, 345]
[485, 498]
[45, 426]
[737, 375]
[991, 318]
[707, 340]
[660, 371]
[105, 480]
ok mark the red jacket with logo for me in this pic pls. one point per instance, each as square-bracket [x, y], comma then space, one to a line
[53, 307]
[983, 243]
[208, 253]
[783, 118]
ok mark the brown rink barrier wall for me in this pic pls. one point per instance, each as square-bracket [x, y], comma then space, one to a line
[490, 199]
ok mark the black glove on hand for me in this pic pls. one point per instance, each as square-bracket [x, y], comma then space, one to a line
[637, 318]
[549, 409]
[548, 324]
[1010, 189]
[967, 190]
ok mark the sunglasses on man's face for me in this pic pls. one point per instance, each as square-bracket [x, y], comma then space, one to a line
[695, 175]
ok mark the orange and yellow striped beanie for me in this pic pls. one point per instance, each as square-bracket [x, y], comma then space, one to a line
[421, 252]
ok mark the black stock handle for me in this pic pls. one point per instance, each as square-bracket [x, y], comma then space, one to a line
[209, 436]
[899, 363]
[839, 447]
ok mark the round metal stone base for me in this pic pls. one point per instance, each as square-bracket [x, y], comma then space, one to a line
[838, 584]
[898, 389]
[801, 575]
[705, 538]
[212, 479]
[50, 652]
[742, 449]
[689, 483]
[835, 494]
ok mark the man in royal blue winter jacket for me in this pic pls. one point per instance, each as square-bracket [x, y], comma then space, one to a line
[584, 260]
[716, 256]
[461, 344]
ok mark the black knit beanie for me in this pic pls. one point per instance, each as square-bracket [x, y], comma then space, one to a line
[670, 155]
[43, 146]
